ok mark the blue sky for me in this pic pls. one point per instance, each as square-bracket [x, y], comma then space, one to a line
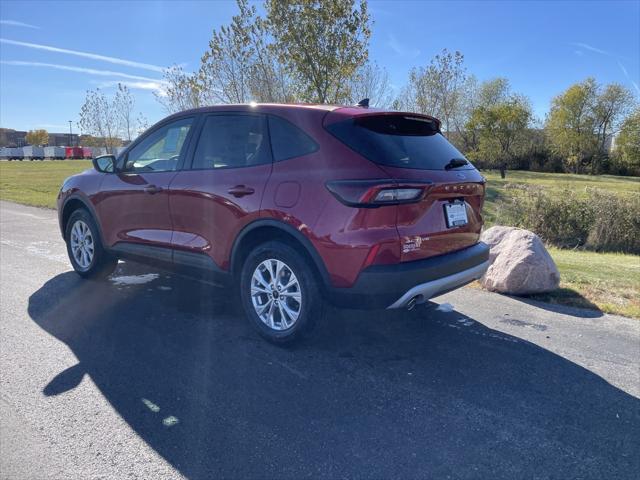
[542, 47]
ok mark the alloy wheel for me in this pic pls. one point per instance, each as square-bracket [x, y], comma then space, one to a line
[82, 244]
[276, 294]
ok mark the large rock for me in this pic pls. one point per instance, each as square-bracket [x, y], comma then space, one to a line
[520, 264]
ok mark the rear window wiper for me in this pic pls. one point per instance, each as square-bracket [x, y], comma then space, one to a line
[455, 163]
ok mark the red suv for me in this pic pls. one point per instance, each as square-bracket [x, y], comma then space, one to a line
[292, 204]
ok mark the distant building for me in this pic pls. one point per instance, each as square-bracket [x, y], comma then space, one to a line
[62, 139]
[12, 138]
[18, 138]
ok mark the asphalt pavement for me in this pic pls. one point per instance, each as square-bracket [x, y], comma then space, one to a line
[149, 375]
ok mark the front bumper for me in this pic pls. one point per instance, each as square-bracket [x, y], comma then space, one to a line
[394, 286]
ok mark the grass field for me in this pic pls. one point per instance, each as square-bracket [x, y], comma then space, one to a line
[497, 191]
[609, 282]
[36, 183]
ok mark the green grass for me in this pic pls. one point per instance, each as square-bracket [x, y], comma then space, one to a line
[497, 187]
[606, 281]
[36, 183]
[609, 282]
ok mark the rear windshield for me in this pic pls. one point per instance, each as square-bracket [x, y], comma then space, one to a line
[397, 141]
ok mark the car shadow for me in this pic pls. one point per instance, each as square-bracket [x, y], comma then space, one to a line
[395, 394]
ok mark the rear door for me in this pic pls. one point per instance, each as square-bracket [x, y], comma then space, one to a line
[411, 148]
[134, 202]
[221, 190]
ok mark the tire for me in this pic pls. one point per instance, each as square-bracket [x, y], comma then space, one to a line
[80, 228]
[289, 263]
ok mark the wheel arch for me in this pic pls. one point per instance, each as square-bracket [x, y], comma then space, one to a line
[73, 203]
[261, 231]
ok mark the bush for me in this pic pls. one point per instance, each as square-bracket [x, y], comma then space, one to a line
[594, 218]
[616, 222]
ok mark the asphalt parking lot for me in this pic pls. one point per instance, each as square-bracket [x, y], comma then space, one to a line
[154, 376]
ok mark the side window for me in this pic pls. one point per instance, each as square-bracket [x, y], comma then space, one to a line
[161, 150]
[232, 141]
[288, 141]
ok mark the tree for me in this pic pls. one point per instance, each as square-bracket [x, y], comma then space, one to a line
[472, 96]
[99, 118]
[501, 128]
[571, 125]
[142, 124]
[582, 121]
[612, 105]
[226, 66]
[322, 42]
[437, 89]
[269, 80]
[182, 91]
[626, 153]
[37, 137]
[238, 66]
[371, 81]
[103, 120]
[123, 104]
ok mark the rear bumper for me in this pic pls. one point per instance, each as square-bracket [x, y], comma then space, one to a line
[394, 286]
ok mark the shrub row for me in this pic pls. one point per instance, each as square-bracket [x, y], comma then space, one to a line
[593, 218]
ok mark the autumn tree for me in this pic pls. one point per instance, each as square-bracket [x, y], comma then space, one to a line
[99, 118]
[613, 104]
[371, 81]
[123, 104]
[583, 119]
[226, 66]
[182, 91]
[322, 42]
[37, 137]
[238, 66]
[105, 120]
[501, 127]
[626, 154]
[437, 89]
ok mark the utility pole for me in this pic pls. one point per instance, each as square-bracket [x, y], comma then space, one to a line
[70, 135]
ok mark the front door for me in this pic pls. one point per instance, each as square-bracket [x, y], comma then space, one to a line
[134, 202]
[222, 190]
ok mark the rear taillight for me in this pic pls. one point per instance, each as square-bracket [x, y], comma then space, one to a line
[377, 193]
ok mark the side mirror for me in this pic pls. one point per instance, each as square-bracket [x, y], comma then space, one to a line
[105, 163]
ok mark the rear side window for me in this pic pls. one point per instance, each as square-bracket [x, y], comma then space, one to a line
[232, 141]
[399, 141]
[288, 141]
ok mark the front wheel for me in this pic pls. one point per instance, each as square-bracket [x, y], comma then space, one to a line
[86, 253]
[280, 293]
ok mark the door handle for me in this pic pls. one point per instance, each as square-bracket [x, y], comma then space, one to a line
[152, 189]
[240, 191]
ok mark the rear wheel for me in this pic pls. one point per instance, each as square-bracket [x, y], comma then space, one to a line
[279, 293]
[86, 253]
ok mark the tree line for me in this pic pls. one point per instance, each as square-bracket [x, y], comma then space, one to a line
[317, 51]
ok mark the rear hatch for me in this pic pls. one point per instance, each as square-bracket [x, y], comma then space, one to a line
[411, 150]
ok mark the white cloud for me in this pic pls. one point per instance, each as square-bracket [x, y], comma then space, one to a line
[401, 49]
[89, 71]
[151, 85]
[626, 74]
[93, 56]
[15, 23]
[586, 46]
[618, 58]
